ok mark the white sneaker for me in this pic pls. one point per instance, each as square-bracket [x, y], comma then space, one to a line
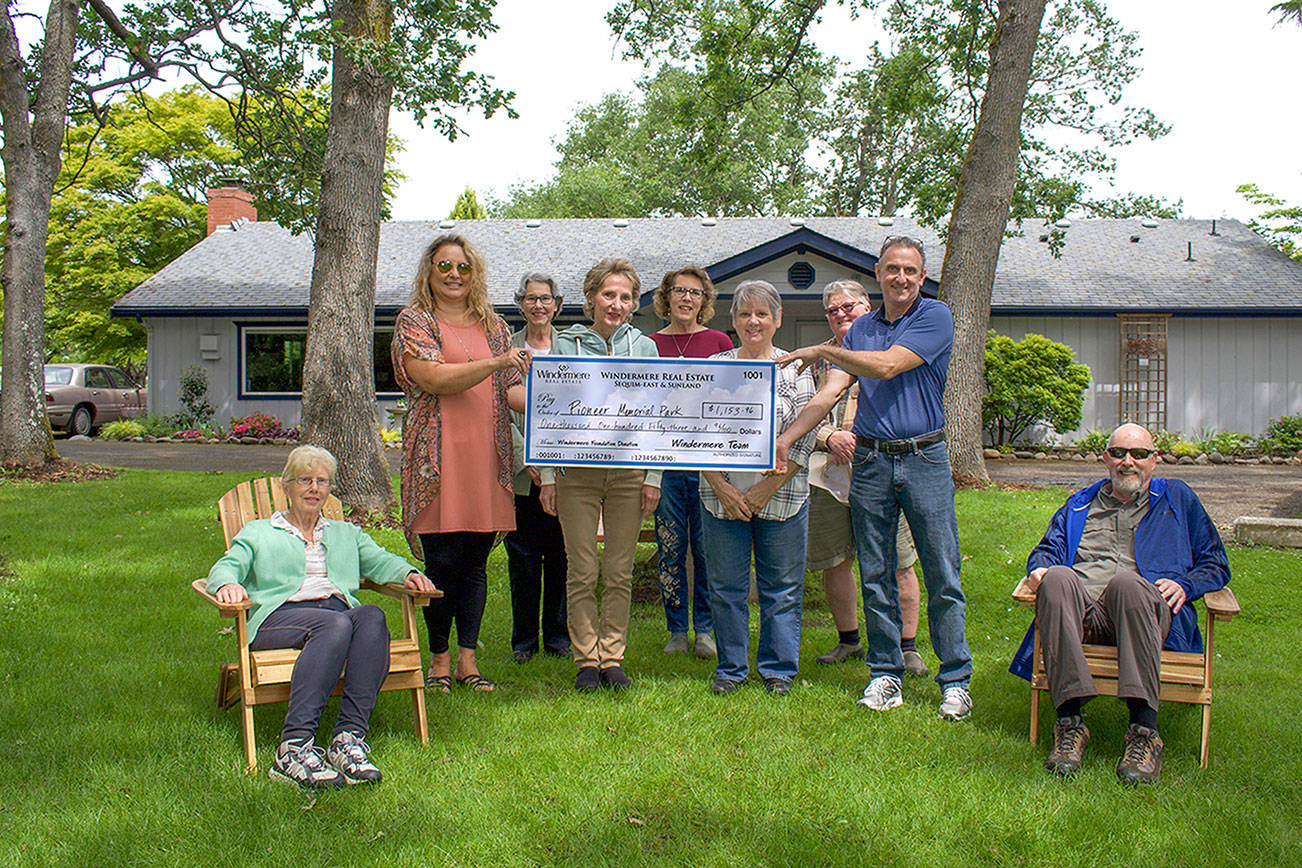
[882, 693]
[301, 762]
[956, 704]
[349, 755]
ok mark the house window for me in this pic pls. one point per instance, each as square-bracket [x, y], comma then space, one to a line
[271, 361]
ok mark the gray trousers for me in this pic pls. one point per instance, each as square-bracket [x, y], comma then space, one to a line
[1130, 614]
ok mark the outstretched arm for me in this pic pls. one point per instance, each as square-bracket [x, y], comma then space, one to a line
[814, 412]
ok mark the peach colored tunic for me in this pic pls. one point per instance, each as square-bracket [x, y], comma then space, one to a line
[467, 498]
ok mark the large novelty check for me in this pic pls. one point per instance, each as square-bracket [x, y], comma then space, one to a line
[679, 414]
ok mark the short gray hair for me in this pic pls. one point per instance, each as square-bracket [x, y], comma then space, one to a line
[852, 288]
[904, 241]
[755, 290]
[537, 277]
[304, 458]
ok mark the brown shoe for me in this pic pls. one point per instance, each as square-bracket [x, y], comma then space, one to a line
[841, 653]
[1141, 760]
[1070, 735]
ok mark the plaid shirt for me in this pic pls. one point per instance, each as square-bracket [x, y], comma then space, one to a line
[794, 392]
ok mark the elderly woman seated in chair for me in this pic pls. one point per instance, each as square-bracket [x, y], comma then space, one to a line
[300, 572]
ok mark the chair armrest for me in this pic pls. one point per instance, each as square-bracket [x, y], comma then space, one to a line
[226, 610]
[1221, 604]
[1024, 593]
[398, 591]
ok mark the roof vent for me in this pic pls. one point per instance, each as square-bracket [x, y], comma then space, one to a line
[885, 220]
[800, 275]
[533, 224]
[1044, 239]
[447, 224]
[620, 223]
[1214, 232]
[797, 221]
[1148, 223]
[1134, 239]
[1064, 223]
[709, 221]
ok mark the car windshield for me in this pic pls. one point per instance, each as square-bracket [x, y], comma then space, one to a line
[57, 376]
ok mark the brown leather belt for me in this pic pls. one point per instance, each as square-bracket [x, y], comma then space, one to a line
[898, 447]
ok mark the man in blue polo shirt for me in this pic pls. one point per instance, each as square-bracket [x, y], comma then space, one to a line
[900, 353]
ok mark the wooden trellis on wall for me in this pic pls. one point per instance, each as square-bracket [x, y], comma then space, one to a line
[1143, 369]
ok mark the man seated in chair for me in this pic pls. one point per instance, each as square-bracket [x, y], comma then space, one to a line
[1120, 565]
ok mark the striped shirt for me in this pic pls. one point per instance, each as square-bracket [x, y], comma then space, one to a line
[316, 585]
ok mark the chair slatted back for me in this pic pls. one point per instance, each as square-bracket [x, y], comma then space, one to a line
[259, 498]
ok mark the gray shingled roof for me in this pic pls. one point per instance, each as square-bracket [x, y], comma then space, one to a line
[262, 267]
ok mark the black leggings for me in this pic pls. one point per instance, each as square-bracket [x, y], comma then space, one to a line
[457, 563]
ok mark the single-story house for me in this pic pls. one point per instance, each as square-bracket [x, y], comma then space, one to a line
[1190, 324]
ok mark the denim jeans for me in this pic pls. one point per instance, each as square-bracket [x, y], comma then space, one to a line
[678, 525]
[779, 549]
[919, 484]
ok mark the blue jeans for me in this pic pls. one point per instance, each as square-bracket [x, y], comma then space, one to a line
[920, 484]
[678, 525]
[779, 548]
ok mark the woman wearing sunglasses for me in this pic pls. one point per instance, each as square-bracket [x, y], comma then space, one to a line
[453, 357]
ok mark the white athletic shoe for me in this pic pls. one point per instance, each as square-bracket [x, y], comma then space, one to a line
[882, 693]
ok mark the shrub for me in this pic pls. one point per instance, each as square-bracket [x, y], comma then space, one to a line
[261, 425]
[1184, 447]
[1226, 442]
[1029, 381]
[1285, 434]
[196, 409]
[122, 429]
[158, 425]
[1167, 441]
[390, 435]
[1094, 441]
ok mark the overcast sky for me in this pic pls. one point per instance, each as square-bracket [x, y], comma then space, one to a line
[1223, 75]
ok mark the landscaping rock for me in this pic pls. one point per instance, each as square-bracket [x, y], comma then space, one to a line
[1022, 453]
[1184, 459]
[149, 438]
[1268, 531]
[249, 441]
[1276, 459]
[1092, 456]
[1215, 458]
[1168, 458]
[991, 453]
[1202, 459]
[1040, 456]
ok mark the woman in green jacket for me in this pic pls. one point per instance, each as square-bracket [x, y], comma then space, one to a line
[301, 572]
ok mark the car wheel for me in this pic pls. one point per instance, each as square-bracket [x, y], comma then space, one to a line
[79, 422]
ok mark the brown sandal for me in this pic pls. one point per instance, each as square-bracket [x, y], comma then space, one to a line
[476, 682]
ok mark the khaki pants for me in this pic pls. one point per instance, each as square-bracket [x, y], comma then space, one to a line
[1130, 614]
[583, 495]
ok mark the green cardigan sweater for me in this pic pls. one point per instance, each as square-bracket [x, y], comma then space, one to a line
[271, 565]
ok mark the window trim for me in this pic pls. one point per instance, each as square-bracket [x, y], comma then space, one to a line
[242, 393]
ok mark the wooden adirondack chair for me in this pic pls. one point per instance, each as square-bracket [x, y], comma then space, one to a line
[1184, 677]
[261, 677]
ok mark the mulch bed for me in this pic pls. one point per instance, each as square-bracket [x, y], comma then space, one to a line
[962, 481]
[56, 471]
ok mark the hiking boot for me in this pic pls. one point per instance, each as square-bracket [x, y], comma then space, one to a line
[841, 653]
[913, 664]
[705, 646]
[882, 693]
[615, 678]
[1141, 759]
[348, 754]
[588, 679]
[677, 644]
[303, 763]
[956, 704]
[723, 685]
[1070, 735]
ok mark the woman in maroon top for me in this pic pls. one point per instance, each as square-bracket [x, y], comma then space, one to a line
[685, 298]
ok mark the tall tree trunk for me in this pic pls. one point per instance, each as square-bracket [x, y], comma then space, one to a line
[339, 407]
[976, 227]
[31, 161]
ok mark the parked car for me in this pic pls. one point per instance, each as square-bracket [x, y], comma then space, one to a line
[81, 397]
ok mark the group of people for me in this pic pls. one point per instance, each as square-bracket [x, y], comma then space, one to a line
[863, 410]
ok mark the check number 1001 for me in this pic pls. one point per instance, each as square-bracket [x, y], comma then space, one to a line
[724, 410]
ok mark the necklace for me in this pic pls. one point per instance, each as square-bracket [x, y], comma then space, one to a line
[682, 348]
[464, 348]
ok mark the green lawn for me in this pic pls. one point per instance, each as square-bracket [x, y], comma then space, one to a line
[115, 753]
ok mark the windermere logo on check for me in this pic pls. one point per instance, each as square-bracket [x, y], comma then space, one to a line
[680, 414]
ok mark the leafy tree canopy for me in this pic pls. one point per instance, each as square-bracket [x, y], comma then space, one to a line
[467, 207]
[1279, 223]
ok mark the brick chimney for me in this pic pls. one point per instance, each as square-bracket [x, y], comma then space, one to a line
[229, 203]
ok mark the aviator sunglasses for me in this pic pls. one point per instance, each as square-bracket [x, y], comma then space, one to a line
[445, 265]
[1136, 452]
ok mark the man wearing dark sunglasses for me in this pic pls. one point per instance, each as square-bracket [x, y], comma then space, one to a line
[1119, 565]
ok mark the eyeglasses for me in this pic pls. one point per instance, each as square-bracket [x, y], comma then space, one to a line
[689, 291]
[1138, 452]
[309, 481]
[842, 309]
[539, 299]
[445, 265]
